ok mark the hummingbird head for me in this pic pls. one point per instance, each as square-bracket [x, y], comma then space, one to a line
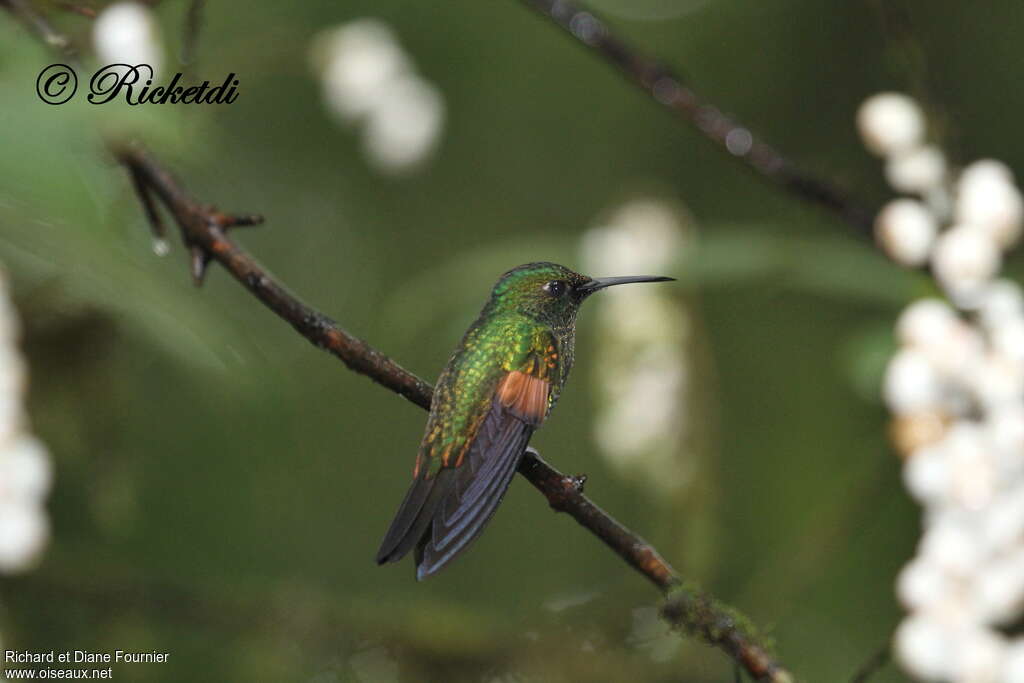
[550, 293]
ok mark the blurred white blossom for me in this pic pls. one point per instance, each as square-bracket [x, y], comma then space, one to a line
[643, 373]
[906, 230]
[986, 197]
[370, 83]
[956, 391]
[891, 124]
[965, 259]
[916, 170]
[126, 33]
[25, 468]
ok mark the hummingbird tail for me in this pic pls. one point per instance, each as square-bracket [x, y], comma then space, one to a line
[479, 487]
[412, 520]
[441, 515]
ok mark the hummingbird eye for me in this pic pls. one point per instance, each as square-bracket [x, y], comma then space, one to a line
[555, 288]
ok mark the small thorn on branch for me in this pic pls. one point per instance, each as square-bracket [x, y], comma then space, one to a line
[226, 221]
[81, 10]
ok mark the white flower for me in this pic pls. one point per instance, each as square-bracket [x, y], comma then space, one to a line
[1013, 662]
[998, 589]
[960, 378]
[912, 383]
[23, 533]
[359, 59]
[125, 33]
[985, 170]
[643, 376]
[974, 476]
[1005, 428]
[25, 467]
[890, 123]
[924, 648]
[1008, 339]
[977, 656]
[958, 354]
[643, 235]
[987, 198]
[919, 169]
[927, 474]
[370, 82]
[965, 258]
[405, 125]
[1002, 523]
[906, 230]
[922, 584]
[998, 381]
[925, 323]
[952, 546]
[999, 303]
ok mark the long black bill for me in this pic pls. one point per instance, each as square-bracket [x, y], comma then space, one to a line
[602, 282]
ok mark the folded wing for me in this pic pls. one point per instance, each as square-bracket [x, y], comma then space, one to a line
[447, 508]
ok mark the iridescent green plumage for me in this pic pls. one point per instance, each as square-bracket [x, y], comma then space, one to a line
[498, 387]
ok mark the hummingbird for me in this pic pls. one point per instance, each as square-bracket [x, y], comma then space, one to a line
[499, 386]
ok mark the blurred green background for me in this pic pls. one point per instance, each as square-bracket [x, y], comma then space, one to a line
[221, 486]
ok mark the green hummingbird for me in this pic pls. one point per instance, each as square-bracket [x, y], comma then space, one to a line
[498, 387]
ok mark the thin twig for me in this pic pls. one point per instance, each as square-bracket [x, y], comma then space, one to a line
[668, 89]
[41, 26]
[205, 233]
[80, 10]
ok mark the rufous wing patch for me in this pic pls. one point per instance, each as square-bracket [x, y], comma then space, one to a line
[525, 396]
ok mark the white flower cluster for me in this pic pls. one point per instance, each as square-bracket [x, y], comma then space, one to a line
[956, 391]
[983, 209]
[126, 33]
[368, 80]
[642, 373]
[25, 469]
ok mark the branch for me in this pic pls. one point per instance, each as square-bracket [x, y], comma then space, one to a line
[668, 89]
[41, 26]
[204, 231]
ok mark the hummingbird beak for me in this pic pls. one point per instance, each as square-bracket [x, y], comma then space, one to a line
[597, 283]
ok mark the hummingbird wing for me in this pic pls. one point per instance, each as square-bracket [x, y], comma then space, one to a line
[456, 489]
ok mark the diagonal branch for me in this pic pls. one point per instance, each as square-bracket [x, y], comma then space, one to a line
[669, 89]
[38, 24]
[205, 233]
